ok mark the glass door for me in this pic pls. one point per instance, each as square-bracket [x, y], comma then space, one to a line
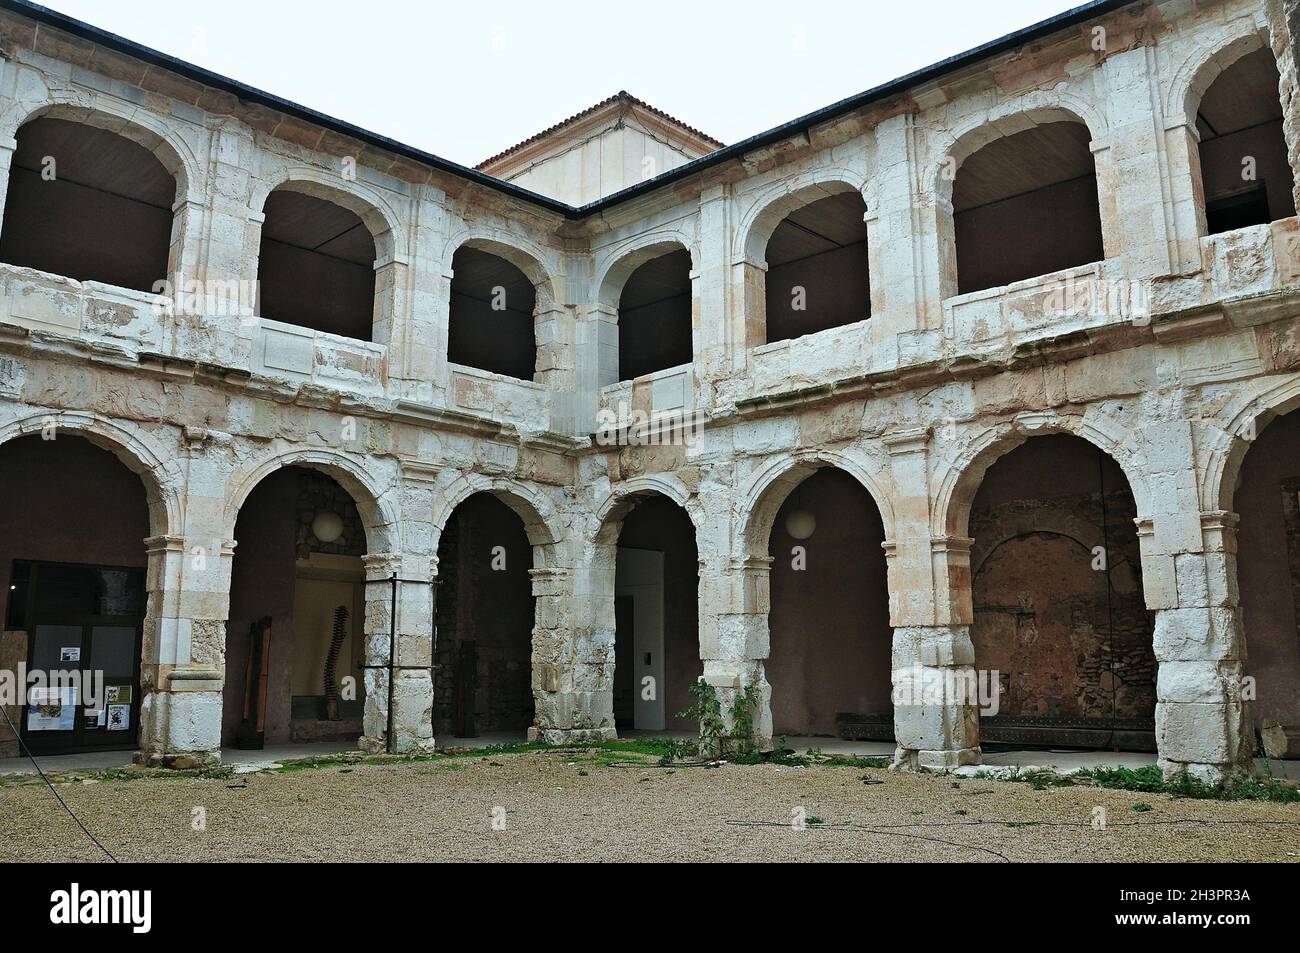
[84, 627]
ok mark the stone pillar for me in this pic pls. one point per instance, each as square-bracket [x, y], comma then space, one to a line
[936, 723]
[1134, 178]
[412, 675]
[183, 655]
[734, 635]
[596, 363]
[391, 301]
[909, 231]
[1183, 158]
[573, 655]
[554, 332]
[1203, 719]
[748, 319]
[7, 147]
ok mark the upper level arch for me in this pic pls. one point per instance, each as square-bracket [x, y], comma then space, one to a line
[91, 197]
[497, 291]
[649, 286]
[1007, 186]
[1230, 96]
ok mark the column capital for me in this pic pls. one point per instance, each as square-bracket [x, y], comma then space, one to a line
[380, 566]
[909, 440]
[951, 544]
[166, 544]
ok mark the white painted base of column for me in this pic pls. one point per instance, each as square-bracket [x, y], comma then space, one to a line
[569, 736]
[180, 729]
[912, 759]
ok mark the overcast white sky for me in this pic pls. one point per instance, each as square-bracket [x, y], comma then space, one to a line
[465, 80]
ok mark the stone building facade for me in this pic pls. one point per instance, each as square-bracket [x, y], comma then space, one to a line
[1156, 328]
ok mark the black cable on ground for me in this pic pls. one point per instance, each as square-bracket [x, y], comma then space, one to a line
[27, 751]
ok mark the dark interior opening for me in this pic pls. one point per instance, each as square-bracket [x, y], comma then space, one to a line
[658, 525]
[654, 317]
[88, 204]
[491, 323]
[1060, 616]
[1026, 205]
[831, 642]
[316, 266]
[817, 272]
[1240, 125]
[483, 680]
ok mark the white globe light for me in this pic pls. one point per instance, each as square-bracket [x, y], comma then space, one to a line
[800, 524]
[327, 527]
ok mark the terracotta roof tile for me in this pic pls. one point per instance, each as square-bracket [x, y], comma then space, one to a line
[622, 94]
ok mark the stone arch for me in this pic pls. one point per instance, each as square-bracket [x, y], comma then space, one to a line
[534, 508]
[378, 514]
[528, 257]
[1240, 422]
[768, 488]
[613, 270]
[1206, 61]
[162, 478]
[137, 125]
[380, 218]
[1036, 108]
[625, 495]
[774, 203]
[599, 567]
[964, 473]
[786, 654]
[1021, 115]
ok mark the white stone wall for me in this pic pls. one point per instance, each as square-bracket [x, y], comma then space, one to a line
[916, 403]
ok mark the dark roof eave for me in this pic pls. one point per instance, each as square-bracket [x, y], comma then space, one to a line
[894, 87]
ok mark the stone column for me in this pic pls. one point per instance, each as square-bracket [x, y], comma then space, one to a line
[1203, 718]
[412, 676]
[391, 314]
[1183, 157]
[734, 635]
[573, 656]
[554, 329]
[1189, 572]
[7, 148]
[596, 363]
[936, 723]
[183, 655]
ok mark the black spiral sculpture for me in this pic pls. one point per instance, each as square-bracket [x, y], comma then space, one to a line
[331, 663]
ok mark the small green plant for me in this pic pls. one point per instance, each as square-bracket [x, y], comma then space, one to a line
[1142, 807]
[716, 740]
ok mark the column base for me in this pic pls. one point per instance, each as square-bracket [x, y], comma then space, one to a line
[406, 744]
[912, 759]
[568, 736]
[1215, 775]
[180, 729]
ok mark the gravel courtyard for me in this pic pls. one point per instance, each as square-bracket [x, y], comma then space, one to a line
[569, 805]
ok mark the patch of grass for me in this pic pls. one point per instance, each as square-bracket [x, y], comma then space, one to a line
[1149, 780]
[141, 773]
[1044, 779]
[1142, 807]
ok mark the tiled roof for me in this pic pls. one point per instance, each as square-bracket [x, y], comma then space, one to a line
[622, 95]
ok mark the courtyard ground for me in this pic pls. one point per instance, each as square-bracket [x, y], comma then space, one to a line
[557, 805]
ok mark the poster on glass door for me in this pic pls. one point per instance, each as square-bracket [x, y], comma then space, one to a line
[52, 709]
